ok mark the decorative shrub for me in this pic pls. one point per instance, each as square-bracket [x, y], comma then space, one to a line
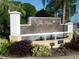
[4, 44]
[21, 48]
[41, 50]
[72, 45]
[61, 51]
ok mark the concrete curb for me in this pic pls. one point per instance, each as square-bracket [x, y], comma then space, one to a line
[2, 57]
[60, 57]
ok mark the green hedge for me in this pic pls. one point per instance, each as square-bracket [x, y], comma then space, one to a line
[4, 44]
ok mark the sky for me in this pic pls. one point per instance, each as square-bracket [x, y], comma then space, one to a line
[75, 18]
[38, 5]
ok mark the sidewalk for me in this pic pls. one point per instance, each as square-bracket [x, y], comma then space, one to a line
[61, 57]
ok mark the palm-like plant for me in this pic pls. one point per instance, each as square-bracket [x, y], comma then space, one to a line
[61, 7]
[44, 2]
[53, 6]
[68, 9]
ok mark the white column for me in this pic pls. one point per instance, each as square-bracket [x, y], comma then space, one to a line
[55, 36]
[15, 25]
[70, 27]
[45, 37]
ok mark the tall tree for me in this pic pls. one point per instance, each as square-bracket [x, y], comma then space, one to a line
[29, 9]
[42, 13]
[16, 6]
[44, 3]
[53, 6]
[10, 5]
[4, 18]
[61, 8]
[69, 8]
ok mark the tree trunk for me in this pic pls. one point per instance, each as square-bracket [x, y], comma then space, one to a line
[64, 11]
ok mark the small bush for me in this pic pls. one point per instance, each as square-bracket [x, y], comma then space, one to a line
[72, 45]
[4, 44]
[61, 51]
[41, 50]
[20, 49]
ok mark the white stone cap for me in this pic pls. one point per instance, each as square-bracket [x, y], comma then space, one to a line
[14, 12]
[45, 17]
[70, 23]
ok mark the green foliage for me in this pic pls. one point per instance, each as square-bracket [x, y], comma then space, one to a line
[55, 8]
[4, 18]
[75, 37]
[73, 45]
[4, 44]
[42, 13]
[3, 40]
[41, 50]
[44, 2]
[61, 51]
[29, 11]
[10, 5]
[21, 48]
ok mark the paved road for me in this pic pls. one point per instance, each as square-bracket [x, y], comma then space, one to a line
[62, 57]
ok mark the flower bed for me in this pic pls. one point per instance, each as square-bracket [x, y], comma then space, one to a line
[25, 48]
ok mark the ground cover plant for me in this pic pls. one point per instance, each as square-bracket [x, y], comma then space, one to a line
[61, 51]
[4, 44]
[24, 48]
[41, 50]
[74, 44]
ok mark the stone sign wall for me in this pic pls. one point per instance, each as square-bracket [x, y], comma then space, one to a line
[42, 30]
[43, 25]
[37, 27]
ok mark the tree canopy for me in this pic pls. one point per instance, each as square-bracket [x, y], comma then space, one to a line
[26, 10]
[42, 13]
[29, 11]
[61, 7]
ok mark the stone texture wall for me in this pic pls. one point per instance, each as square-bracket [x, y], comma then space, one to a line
[43, 25]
